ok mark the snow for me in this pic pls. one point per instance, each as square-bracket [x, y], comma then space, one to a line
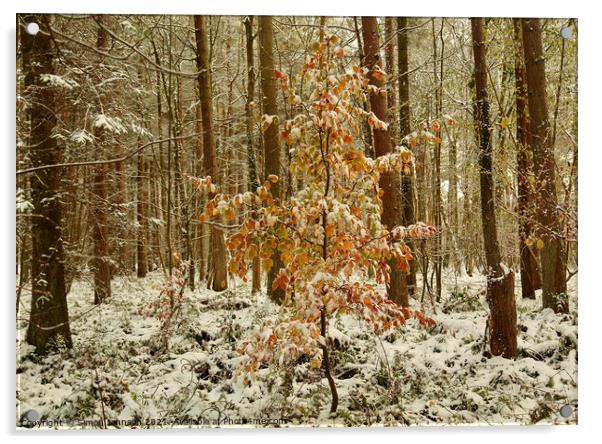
[58, 81]
[23, 205]
[414, 375]
[81, 136]
[111, 124]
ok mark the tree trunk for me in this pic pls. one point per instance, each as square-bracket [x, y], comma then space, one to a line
[452, 197]
[200, 228]
[271, 143]
[218, 246]
[120, 197]
[405, 128]
[391, 80]
[253, 180]
[500, 280]
[142, 217]
[49, 316]
[529, 268]
[553, 268]
[102, 269]
[436, 177]
[389, 181]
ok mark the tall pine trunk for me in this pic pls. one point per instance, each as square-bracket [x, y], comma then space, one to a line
[553, 268]
[436, 176]
[529, 267]
[389, 181]
[253, 180]
[100, 235]
[405, 128]
[217, 276]
[271, 144]
[500, 280]
[391, 80]
[198, 168]
[49, 316]
[141, 217]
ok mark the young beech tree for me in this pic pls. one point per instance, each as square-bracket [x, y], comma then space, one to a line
[329, 233]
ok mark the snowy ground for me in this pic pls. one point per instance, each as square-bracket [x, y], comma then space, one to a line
[413, 376]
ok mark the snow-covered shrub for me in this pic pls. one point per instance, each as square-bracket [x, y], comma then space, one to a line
[166, 305]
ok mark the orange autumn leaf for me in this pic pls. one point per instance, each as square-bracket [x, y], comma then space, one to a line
[230, 214]
[378, 74]
[266, 264]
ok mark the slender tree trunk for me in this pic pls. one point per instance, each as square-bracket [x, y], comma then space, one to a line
[322, 28]
[500, 280]
[142, 218]
[185, 242]
[271, 144]
[553, 265]
[102, 269]
[119, 200]
[391, 80]
[467, 214]
[201, 228]
[405, 128]
[253, 179]
[389, 181]
[218, 246]
[368, 142]
[49, 316]
[452, 197]
[142, 202]
[438, 253]
[529, 268]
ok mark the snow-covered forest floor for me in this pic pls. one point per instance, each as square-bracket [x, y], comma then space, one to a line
[413, 376]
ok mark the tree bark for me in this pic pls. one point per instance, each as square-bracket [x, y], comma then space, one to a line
[218, 246]
[49, 316]
[405, 128]
[452, 197]
[436, 177]
[500, 280]
[253, 180]
[392, 215]
[553, 267]
[200, 228]
[391, 80]
[271, 144]
[101, 260]
[119, 199]
[141, 218]
[529, 267]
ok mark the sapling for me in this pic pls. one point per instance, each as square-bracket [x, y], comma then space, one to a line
[329, 232]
